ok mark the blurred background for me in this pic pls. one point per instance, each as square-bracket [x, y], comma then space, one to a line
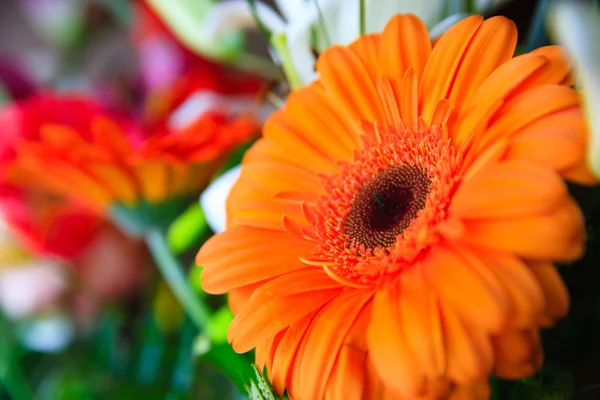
[84, 314]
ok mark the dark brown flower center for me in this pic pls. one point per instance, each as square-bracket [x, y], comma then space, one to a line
[386, 205]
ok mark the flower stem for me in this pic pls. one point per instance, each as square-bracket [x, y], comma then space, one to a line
[363, 18]
[172, 272]
[279, 43]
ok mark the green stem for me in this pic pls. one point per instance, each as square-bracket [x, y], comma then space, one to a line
[279, 43]
[172, 272]
[363, 17]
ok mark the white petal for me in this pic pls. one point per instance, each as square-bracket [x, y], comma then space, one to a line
[291, 9]
[300, 50]
[213, 199]
[577, 27]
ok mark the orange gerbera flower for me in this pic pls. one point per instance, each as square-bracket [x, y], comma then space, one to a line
[104, 161]
[392, 235]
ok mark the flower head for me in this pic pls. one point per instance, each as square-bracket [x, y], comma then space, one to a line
[392, 234]
[65, 242]
[102, 160]
[45, 223]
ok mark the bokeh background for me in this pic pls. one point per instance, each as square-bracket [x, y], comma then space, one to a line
[100, 323]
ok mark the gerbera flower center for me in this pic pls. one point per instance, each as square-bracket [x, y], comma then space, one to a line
[386, 205]
[382, 209]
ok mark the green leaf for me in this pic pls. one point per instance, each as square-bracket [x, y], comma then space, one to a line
[195, 282]
[187, 230]
[219, 324]
[260, 389]
[236, 367]
[186, 18]
[137, 219]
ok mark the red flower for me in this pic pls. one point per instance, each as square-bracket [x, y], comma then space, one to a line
[45, 223]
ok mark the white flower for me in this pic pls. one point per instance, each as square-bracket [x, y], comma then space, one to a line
[213, 199]
[576, 26]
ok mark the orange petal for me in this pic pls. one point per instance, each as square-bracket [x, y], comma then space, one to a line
[469, 351]
[409, 109]
[346, 79]
[518, 354]
[265, 150]
[479, 390]
[556, 235]
[78, 182]
[280, 132]
[240, 296]
[526, 108]
[286, 352]
[476, 161]
[502, 82]
[558, 148]
[237, 238]
[492, 45]
[508, 189]
[154, 178]
[323, 341]
[581, 173]
[242, 256]
[261, 207]
[526, 295]
[348, 375]
[265, 351]
[275, 178]
[374, 386]
[404, 44]
[118, 181]
[253, 264]
[390, 92]
[110, 136]
[515, 76]
[367, 48]
[278, 304]
[309, 110]
[443, 63]
[555, 291]
[388, 349]
[557, 70]
[466, 284]
[419, 313]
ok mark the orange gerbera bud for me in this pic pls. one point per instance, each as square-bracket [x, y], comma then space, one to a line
[393, 233]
